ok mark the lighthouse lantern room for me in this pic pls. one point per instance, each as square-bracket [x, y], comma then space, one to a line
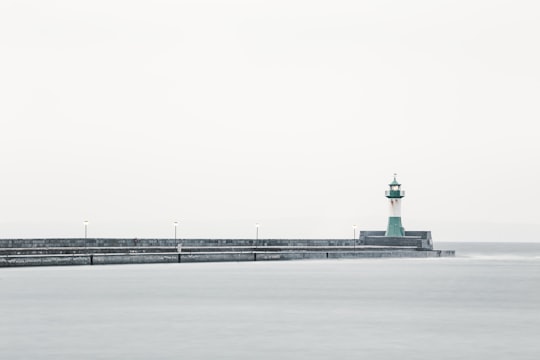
[395, 228]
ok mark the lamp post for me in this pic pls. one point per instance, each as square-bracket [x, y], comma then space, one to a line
[354, 237]
[256, 234]
[175, 226]
[85, 229]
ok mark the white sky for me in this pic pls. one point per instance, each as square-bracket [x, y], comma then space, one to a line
[293, 114]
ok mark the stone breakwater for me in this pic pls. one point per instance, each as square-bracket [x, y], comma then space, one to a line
[55, 252]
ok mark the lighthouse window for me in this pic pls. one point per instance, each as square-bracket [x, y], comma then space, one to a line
[395, 187]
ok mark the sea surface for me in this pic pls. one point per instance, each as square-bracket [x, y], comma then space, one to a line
[483, 304]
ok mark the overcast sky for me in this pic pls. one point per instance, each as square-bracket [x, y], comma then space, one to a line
[293, 114]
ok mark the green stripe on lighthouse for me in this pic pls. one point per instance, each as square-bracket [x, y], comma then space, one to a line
[395, 228]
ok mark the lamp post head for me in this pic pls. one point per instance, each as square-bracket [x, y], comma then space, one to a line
[85, 222]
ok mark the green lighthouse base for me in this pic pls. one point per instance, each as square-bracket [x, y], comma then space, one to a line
[395, 229]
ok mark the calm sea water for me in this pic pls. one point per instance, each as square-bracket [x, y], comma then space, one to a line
[483, 304]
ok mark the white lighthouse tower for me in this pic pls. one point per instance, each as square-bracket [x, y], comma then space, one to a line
[395, 228]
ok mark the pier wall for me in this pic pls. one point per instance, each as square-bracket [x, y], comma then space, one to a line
[90, 242]
[48, 252]
[419, 239]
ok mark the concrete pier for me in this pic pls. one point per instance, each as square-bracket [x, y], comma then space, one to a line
[50, 252]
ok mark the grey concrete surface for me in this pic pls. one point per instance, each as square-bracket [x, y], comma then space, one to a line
[51, 252]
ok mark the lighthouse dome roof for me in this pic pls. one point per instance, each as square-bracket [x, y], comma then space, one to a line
[394, 182]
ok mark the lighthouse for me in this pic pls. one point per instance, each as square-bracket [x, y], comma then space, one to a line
[395, 228]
